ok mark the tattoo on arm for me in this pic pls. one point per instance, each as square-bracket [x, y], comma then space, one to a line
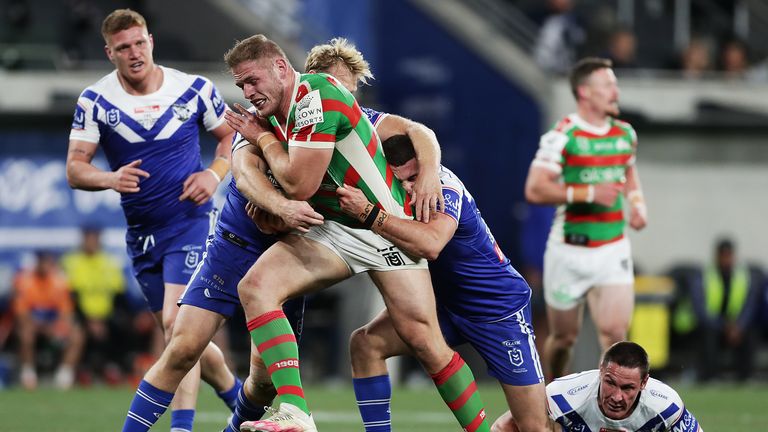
[81, 152]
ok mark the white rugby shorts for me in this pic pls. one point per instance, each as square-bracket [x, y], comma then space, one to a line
[362, 249]
[570, 271]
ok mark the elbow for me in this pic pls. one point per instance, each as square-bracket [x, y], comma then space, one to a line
[298, 193]
[71, 180]
[430, 250]
[532, 195]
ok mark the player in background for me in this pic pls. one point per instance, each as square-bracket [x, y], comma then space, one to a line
[619, 396]
[329, 142]
[586, 166]
[146, 118]
[481, 299]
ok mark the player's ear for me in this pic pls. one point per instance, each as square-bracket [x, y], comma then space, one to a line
[108, 52]
[282, 67]
[583, 91]
[644, 382]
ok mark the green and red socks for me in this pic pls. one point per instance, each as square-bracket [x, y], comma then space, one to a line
[458, 389]
[274, 338]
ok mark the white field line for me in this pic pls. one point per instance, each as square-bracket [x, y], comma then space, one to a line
[344, 417]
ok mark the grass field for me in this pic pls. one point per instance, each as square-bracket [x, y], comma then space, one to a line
[721, 408]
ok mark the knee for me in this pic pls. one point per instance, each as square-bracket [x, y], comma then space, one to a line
[180, 356]
[420, 338]
[249, 289]
[563, 339]
[613, 334]
[362, 346]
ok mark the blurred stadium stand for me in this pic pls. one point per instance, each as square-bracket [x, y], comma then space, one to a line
[463, 67]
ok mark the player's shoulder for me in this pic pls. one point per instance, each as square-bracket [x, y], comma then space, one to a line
[183, 79]
[104, 85]
[450, 180]
[564, 125]
[625, 126]
[662, 399]
[622, 124]
[570, 392]
[326, 85]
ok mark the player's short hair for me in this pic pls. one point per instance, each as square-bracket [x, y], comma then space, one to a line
[338, 50]
[398, 150]
[256, 47]
[629, 355]
[583, 69]
[119, 20]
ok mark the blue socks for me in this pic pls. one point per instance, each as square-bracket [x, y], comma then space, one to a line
[181, 420]
[373, 395]
[148, 404]
[230, 396]
[244, 411]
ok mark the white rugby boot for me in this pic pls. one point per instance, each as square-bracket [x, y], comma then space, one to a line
[287, 418]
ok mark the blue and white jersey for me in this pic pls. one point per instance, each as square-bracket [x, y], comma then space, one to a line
[234, 220]
[472, 277]
[375, 117]
[572, 402]
[162, 129]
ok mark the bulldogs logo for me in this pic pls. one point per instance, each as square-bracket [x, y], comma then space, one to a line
[181, 112]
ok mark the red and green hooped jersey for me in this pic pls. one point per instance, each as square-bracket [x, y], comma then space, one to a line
[585, 154]
[324, 115]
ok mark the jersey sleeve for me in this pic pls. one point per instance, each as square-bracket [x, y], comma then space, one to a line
[316, 122]
[453, 194]
[213, 106]
[550, 152]
[84, 125]
[685, 423]
[238, 140]
[375, 117]
[633, 140]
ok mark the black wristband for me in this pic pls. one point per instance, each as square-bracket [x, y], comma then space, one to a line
[368, 223]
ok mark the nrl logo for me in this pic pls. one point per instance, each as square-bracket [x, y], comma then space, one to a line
[181, 112]
[113, 117]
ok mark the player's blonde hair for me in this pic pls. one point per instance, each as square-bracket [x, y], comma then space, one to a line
[119, 20]
[256, 47]
[339, 49]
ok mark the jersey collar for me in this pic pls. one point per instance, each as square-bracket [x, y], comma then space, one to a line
[594, 130]
[284, 128]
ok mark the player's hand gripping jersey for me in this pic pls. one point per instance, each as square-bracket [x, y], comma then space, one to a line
[324, 115]
[162, 129]
[572, 402]
[585, 154]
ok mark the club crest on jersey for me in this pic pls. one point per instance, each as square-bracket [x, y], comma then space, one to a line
[113, 117]
[515, 356]
[181, 112]
[193, 257]
[583, 144]
[309, 110]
